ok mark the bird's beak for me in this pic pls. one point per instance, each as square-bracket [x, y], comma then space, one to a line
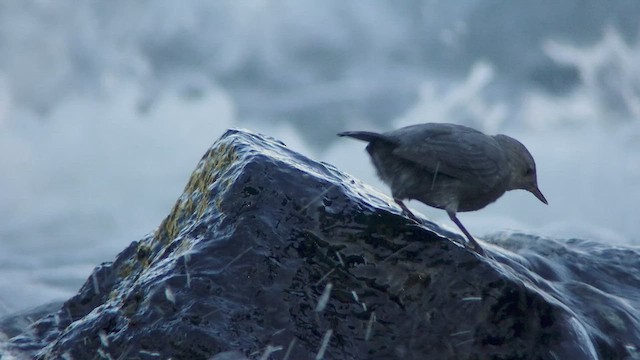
[537, 193]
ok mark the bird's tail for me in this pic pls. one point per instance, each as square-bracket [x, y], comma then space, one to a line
[367, 136]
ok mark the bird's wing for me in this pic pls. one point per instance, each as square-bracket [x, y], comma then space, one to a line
[456, 151]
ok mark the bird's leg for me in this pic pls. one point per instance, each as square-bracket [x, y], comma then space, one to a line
[406, 210]
[474, 244]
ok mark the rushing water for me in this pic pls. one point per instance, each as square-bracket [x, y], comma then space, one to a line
[106, 107]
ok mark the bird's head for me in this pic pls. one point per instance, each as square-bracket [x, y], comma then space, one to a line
[523, 167]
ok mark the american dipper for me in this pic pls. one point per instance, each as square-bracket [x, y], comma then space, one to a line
[450, 167]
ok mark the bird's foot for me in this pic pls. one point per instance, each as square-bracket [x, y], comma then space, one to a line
[475, 247]
[407, 212]
[412, 217]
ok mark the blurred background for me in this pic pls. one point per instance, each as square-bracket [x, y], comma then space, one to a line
[107, 106]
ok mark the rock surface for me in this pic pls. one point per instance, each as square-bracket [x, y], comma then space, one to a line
[270, 255]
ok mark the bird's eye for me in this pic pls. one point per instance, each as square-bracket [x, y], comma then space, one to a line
[529, 172]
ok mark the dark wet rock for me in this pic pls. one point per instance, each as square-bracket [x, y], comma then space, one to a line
[270, 252]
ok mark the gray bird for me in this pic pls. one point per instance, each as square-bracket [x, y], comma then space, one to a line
[450, 167]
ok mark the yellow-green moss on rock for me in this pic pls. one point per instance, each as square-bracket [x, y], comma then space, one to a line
[196, 196]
